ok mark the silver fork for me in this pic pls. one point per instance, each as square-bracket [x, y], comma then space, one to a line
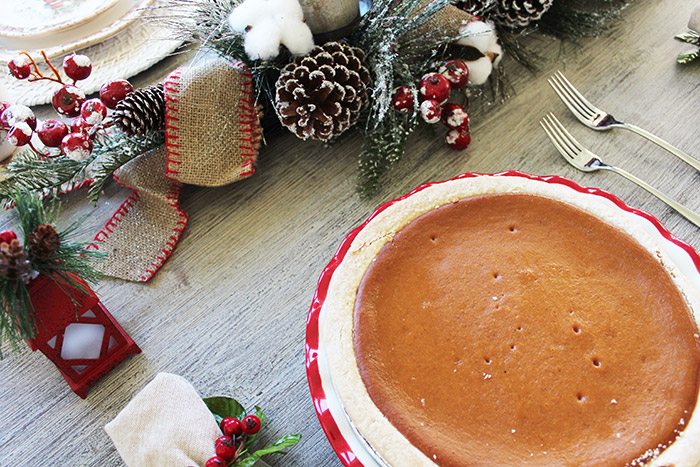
[586, 161]
[598, 119]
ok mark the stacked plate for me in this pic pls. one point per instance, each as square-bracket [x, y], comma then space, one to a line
[121, 37]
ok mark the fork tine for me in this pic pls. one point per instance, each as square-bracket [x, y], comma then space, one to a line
[556, 139]
[572, 141]
[572, 102]
[561, 137]
[573, 89]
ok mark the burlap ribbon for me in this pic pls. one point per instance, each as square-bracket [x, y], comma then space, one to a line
[212, 139]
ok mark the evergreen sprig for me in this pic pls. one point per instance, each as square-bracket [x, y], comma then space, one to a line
[68, 266]
[400, 46]
[384, 146]
[49, 176]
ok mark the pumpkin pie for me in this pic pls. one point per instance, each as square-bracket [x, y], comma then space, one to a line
[508, 321]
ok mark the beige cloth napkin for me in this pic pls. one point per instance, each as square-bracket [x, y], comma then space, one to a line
[166, 424]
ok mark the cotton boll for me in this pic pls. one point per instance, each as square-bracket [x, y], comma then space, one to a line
[496, 49]
[263, 40]
[298, 38]
[480, 35]
[479, 70]
[246, 14]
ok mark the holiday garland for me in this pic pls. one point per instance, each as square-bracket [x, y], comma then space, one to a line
[37, 248]
[318, 91]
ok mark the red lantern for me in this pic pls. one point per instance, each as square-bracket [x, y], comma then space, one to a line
[76, 332]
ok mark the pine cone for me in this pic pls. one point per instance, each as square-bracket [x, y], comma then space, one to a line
[44, 241]
[141, 111]
[320, 95]
[14, 260]
[519, 13]
[477, 7]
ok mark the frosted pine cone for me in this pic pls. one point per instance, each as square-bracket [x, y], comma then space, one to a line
[320, 95]
[141, 111]
[14, 260]
[519, 13]
[477, 7]
[44, 241]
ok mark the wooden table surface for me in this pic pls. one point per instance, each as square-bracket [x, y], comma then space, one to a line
[228, 310]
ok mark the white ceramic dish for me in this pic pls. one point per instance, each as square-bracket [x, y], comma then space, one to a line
[62, 40]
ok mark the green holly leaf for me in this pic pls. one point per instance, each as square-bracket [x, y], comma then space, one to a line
[690, 37]
[223, 407]
[688, 57]
[278, 447]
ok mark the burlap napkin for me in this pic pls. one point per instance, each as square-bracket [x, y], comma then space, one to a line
[166, 424]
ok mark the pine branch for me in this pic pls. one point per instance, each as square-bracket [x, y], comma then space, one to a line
[688, 57]
[580, 18]
[29, 173]
[68, 266]
[399, 43]
[384, 146]
[117, 150]
[691, 37]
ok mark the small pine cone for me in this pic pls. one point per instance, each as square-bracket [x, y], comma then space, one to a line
[321, 95]
[44, 241]
[14, 260]
[141, 111]
[519, 13]
[477, 7]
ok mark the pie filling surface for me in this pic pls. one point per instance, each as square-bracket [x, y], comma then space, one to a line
[513, 329]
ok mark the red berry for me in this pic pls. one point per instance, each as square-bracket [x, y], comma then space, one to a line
[435, 86]
[79, 125]
[231, 426]
[77, 67]
[67, 100]
[20, 66]
[17, 113]
[20, 134]
[454, 116]
[52, 132]
[430, 110]
[225, 448]
[76, 146]
[402, 99]
[114, 91]
[456, 72]
[251, 424]
[93, 111]
[3, 106]
[6, 236]
[215, 462]
[458, 138]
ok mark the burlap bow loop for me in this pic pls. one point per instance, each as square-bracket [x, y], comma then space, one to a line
[212, 139]
[212, 129]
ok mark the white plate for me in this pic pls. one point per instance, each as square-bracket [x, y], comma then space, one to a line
[121, 14]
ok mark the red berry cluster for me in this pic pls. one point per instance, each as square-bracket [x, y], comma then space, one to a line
[434, 91]
[69, 101]
[232, 443]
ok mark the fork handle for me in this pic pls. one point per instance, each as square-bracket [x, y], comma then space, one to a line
[685, 212]
[664, 144]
